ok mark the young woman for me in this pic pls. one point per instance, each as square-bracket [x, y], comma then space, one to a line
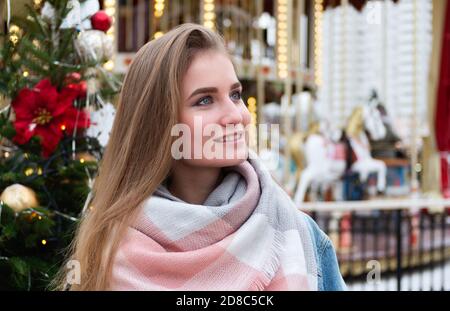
[163, 222]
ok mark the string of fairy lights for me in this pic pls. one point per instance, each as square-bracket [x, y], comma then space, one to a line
[159, 8]
[282, 39]
[209, 15]
[158, 12]
[318, 20]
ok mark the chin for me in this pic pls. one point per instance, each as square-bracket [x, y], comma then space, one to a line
[240, 156]
[229, 162]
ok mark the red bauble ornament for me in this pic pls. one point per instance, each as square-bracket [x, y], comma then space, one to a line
[101, 21]
[83, 89]
[73, 77]
[80, 88]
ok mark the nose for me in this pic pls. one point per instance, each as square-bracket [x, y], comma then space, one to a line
[231, 113]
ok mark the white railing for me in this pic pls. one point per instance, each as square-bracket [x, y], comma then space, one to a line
[378, 204]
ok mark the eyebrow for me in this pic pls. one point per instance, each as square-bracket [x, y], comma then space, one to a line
[213, 89]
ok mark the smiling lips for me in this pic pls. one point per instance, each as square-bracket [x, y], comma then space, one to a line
[229, 138]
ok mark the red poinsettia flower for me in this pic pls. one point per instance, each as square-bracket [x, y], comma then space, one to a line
[47, 113]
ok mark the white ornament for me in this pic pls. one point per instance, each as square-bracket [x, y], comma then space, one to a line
[94, 45]
[101, 123]
[88, 8]
[108, 47]
[79, 14]
[72, 19]
[48, 11]
[92, 82]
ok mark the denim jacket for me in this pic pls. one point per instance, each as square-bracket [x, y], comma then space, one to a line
[329, 276]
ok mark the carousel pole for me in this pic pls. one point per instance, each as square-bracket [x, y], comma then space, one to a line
[129, 25]
[208, 15]
[343, 98]
[165, 27]
[298, 61]
[284, 61]
[186, 8]
[202, 12]
[414, 149]
[330, 78]
[260, 81]
[318, 24]
[345, 238]
[152, 23]
[415, 214]
[384, 96]
[319, 56]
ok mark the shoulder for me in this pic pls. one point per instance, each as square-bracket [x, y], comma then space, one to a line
[320, 239]
[329, 276]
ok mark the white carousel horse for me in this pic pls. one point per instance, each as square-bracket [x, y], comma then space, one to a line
[273, 158]
[325, 162]
[367, 117]
[312, 144]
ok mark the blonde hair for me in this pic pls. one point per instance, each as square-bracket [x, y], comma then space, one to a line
[137, 158]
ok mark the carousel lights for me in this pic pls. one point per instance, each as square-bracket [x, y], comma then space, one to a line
[251, 102]
[318, 19]
[282, 34]
[110, 10]
[159, 8]
[158, 34]
[209, 16]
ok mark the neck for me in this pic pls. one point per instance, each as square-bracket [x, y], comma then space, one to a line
[193, 184]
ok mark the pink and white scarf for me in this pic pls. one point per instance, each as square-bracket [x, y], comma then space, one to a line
[248, 235]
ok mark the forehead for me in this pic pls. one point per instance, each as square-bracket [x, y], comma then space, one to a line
[209, 69]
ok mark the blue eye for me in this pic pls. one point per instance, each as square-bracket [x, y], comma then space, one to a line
[236, 96]
[204, 101]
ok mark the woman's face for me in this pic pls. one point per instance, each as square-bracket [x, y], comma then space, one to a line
[214, 112]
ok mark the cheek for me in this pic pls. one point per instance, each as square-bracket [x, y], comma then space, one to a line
[197, 129]
[246, 117]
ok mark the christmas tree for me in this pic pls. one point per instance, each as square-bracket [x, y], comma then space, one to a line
[54, 89]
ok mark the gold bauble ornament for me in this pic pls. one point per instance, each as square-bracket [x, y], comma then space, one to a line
[19, 197]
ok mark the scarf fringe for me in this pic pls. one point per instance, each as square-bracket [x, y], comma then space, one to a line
[269, 270]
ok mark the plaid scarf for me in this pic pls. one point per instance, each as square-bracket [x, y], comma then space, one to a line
[248, 235]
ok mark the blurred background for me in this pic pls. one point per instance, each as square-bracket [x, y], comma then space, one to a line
[360, 90]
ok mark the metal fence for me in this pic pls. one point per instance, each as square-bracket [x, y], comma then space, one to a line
[389, 244]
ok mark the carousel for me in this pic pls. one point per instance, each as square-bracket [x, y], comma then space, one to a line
[346, 99]
[343, 112]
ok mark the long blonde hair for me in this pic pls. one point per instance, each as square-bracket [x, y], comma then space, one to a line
[137, 158]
